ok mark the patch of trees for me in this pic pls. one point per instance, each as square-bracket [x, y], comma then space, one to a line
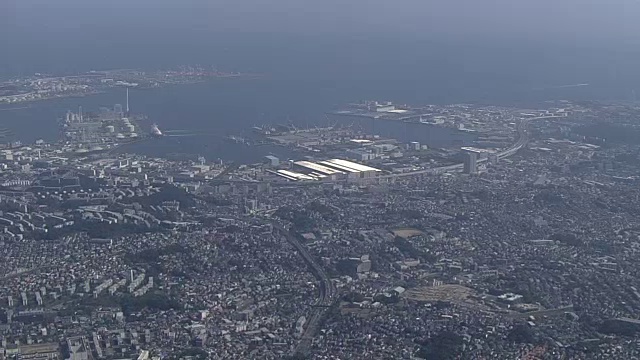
[617, 327]
[604, 246]
[406, 214]
[167, 192]
[482, 194]
[567, 238]
[411, 214]
[296, 356]
[347, 267]
[100, 301]
[230, 229]
[216, 201]
[441, 305]
[192, 353]
[300, 218]
[94, 229]
[406, 247]
[153, 255]
[409, 250]
[129, 304]
[150, 301]
[324, 210]
[353, 297]
[447, 345]
[548, 196]
[387, 300]
[521, 334]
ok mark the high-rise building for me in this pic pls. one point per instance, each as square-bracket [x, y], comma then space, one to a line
[470, 162]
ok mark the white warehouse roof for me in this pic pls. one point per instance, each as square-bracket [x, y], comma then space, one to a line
[318, 168]
[352, 165]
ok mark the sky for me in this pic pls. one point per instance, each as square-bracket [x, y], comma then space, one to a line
[578, 21]
[572, 37]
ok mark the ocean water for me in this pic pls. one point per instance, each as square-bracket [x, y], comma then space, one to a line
[202, 116]
[304, 78]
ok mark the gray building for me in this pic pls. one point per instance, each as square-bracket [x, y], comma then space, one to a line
[470, 162]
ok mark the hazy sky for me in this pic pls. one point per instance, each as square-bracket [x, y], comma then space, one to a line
[556, 36]
[531, 43]
[583, 21]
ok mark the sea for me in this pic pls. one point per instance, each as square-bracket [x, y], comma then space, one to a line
[302, 81]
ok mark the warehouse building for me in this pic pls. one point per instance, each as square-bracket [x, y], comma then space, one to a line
[328, 170]
[354, 169]
[314, 168]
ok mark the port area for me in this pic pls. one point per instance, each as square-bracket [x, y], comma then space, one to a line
[464, 117]
[348, 152]
[342, 152]
[493, 127]
[385, 110]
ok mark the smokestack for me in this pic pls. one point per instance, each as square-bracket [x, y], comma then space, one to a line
[127, 101]
[80, 112]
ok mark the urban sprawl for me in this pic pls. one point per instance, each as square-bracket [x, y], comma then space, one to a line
[523, 244]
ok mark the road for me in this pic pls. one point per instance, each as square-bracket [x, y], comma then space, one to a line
[327, 293]
[326, 296]
[523, 139]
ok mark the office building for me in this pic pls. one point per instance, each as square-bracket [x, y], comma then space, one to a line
[470, 162]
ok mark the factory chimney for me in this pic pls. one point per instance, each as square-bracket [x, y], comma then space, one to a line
[127, 101]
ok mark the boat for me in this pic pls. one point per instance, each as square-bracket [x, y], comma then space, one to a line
[155, 131]
[236, 139]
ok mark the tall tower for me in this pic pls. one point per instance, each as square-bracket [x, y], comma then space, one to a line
[127, 101]
[80, 113]
[470, 162]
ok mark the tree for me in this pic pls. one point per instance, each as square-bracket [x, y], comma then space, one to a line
[297, 356]
[521, 334]
[447, 345]
[567, 238]
[354, 297]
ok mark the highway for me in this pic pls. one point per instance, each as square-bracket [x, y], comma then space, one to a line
[327, 291]
[326, 296]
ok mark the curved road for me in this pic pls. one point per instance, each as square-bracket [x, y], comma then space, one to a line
[326, 295]
[327, 291]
